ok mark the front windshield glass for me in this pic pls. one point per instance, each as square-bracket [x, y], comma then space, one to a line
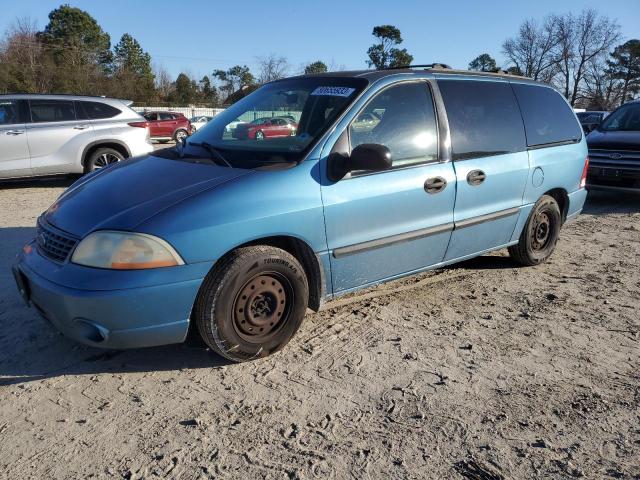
[625, 119]
[277, 123]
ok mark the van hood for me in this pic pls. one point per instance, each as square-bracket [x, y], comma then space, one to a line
[601, 140]
[123, 196]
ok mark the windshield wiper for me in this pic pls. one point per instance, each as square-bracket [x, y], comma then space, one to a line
[214, 154]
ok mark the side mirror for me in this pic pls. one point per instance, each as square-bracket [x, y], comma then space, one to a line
[370, 157]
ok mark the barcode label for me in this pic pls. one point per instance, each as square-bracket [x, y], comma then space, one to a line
[334, 91]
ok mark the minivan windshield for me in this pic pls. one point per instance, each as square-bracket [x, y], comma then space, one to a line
[624, 119]
[277, 123]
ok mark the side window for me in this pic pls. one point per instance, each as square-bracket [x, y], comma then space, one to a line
[12, 111]
[484, 118]
[97, 110]
[151, 116]
[405, 123]
[547, 117]
[165, 116]
[52, 110]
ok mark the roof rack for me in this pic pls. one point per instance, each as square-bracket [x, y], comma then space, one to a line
[425, 66]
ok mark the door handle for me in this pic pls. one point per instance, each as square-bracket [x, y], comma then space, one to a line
[14, 132]
[435, 185]
[476, 177]
[81, 127]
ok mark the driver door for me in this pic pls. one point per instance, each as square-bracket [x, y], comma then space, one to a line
[388, 223]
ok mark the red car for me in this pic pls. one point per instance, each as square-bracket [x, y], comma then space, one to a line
[165, 126]
[268, 127]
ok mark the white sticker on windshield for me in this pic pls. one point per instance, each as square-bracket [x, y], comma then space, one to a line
[334, 91]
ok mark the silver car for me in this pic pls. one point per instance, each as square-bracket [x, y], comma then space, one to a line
[61, 134]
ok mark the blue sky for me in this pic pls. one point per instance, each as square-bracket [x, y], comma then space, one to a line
[200, 36]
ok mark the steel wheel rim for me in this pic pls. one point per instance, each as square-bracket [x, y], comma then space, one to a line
[180, 136]
[259, 136]
[262, 307]
[104, 160]
[541, 231]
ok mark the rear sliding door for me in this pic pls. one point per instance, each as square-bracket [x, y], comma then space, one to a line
[489, 153]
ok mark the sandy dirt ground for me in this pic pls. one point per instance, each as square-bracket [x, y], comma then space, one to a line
[479, 371]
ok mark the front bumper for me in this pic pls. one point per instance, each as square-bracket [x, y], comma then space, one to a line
[120, 318]
[613, 174]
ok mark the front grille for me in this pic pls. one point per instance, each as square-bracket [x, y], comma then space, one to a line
[623, 158]
[53, 243]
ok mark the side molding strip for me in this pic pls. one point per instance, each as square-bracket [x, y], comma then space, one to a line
[424, 232]
[386, 241]
[487, 218]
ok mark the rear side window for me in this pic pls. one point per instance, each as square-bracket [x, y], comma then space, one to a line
[13, 111]
[483, 117]
[52, 110]
[97, 110]
[547, 117]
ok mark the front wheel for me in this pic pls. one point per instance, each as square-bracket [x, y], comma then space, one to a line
[259, 135]
[540, 234]
[252, 303]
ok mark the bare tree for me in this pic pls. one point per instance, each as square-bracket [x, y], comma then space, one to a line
[24, 62]
[164, 84]
[532, 50]
[602, 91]
[272, 67]
[584, 42]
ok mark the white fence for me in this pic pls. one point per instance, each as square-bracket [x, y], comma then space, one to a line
[190, 112]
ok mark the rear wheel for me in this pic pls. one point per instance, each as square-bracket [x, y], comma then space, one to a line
[259, 135]
[180, 135]
[252, 303]
[101, 158]
[540, 234]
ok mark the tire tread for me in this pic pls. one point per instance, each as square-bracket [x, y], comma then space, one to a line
[215, 281]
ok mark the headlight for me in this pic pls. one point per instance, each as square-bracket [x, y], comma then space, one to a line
[125, 251]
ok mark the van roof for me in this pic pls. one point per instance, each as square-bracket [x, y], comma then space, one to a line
[439, 68]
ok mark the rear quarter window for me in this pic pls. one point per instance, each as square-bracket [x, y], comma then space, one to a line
[548, 119]
[97, 110]
[484, 118]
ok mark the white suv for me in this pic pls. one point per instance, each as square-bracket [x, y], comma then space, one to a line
[60, 134]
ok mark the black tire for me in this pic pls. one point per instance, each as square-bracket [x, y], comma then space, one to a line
[540, 234]
[259, 135]
[180, 134]
[251, 303]
[102, 157]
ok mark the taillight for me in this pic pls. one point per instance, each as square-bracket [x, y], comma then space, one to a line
[585, 170]
[139, 124]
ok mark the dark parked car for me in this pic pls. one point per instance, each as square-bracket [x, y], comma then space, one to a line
[591, 119]
[269, 127]
[614, 151]
[165, 126]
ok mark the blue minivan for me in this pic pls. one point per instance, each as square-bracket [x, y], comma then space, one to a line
[379, 174]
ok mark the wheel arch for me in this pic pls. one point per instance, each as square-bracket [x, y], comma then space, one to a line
[561, 196]
[95, 145]
[186, 129]
[308, 259]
